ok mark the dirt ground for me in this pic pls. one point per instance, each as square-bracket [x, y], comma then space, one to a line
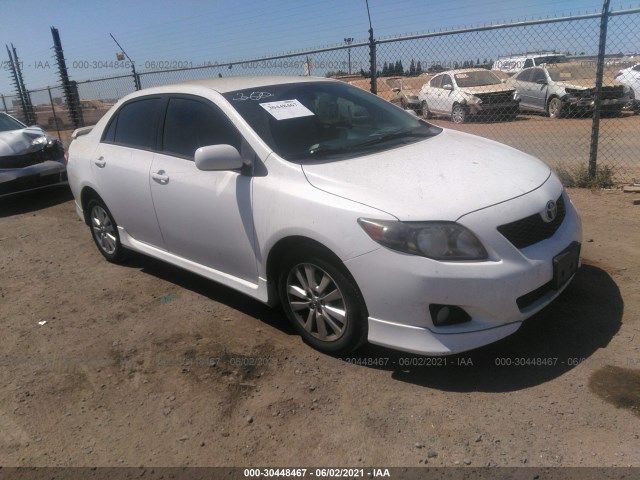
[145, 364]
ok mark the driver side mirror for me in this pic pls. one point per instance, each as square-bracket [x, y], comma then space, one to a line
[448, 86]
[396, 89]
[218, 158]
[541, 82]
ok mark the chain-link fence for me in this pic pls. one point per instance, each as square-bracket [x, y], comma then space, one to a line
[566, 90]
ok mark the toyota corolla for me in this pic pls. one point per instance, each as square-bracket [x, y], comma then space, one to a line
[364, 222]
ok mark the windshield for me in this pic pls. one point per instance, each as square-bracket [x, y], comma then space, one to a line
[561, 73]
[322, 121]
[7, 123]
[476, 79]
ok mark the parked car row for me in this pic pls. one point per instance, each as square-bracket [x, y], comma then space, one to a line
[559, 89]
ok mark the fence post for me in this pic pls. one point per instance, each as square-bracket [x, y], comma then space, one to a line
[595, 126]
[372, 61]
[4, 104]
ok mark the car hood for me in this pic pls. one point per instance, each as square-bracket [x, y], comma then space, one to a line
[440, 178]
[18, 142]
[586, 83]
[487, 89]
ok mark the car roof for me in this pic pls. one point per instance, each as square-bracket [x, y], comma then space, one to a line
[464, 70]
[229, 84]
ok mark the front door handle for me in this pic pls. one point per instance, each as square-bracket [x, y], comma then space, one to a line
[100, 162]
[160, 177]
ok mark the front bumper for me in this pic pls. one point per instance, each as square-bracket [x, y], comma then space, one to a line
[588, 103]
[509, 108]
[42, 175]
[398, 299]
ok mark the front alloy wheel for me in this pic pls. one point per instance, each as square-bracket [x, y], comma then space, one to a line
[316, 301]
[426, 114]
[323, 304]
[458, 114]
[555, 108]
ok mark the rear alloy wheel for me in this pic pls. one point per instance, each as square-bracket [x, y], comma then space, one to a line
[104, 231]
[323, 303]
[458, 114]
[555, 108]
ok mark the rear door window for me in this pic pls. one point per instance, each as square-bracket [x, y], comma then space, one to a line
[136, 124]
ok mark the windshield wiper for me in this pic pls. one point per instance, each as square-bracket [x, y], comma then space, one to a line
[379, 137]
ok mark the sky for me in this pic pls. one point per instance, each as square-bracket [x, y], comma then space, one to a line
[192, 32]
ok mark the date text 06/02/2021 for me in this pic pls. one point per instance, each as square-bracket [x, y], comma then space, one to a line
[316, 472]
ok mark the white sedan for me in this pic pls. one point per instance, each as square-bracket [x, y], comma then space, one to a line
[631, 78]
[466, 92]
[363, 221]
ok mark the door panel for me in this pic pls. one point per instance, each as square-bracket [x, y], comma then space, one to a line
[205, 217]
[122, 174]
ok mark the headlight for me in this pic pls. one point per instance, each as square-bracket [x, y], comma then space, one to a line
[43, 140]
[473, 100]
[436, 240]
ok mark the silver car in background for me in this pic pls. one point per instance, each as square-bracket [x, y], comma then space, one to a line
[567, 89]
[29, 158]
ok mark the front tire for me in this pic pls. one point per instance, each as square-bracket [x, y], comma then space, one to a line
[555, 108]
[104, 231]
[323, 302]
[458, 114]
[426, 114]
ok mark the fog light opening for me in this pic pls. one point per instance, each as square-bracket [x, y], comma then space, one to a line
[443, 315]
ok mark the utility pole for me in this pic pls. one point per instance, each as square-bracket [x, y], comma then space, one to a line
[372, 55]
[349, 41]
[136, 79]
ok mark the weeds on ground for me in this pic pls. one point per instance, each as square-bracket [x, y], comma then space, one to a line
[578, 177]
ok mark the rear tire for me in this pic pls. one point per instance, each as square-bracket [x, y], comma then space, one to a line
[104, 231]
[323, 302]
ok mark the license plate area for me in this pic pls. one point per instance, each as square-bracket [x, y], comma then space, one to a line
[565, 265]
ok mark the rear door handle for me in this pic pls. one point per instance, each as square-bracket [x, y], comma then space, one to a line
[160, 177]
[100, 162]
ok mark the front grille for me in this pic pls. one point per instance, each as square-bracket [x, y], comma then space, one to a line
[495, 98]
[532, 229]
[612, 92]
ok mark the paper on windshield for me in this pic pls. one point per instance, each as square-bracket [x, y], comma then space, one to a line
[285, 109]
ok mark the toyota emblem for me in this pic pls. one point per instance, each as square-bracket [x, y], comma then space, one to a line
[550, 211]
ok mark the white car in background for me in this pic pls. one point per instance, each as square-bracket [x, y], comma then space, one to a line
[512, 64]
[363, 221]
[468, 92]
[631, 78]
